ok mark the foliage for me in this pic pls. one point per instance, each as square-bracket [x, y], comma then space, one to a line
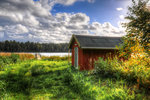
[14, 46]
[135, 69]
[27, 76]
[56, 80]
[131, 47]
[22, 56]
[13, 58]
[135, 49]
[139, 23]
[45, 77]
[9, 58]
[5, 54]
[96, 87]
[25, 56]
[80, 85]
[55, 58]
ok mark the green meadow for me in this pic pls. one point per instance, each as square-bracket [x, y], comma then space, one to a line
[49, 79]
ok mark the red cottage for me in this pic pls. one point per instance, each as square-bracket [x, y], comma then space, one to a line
[87, 49]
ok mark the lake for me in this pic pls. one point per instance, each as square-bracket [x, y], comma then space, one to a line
[61, 54]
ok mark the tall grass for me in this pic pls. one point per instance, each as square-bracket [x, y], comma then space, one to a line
[96, 87]
[56, 80]
[22, 56]
[5, 54]
[56, 58]
[10, 58]
[4, 60]
[134, 70]
[29, 77]
[25, 56]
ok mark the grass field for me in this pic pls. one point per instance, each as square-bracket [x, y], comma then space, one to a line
[57, 80]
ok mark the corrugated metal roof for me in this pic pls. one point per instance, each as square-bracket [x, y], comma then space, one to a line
[97, 42]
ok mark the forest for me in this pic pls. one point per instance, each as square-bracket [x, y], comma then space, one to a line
[14, 46]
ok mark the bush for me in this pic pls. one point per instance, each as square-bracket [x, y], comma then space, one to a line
[135, 70]
[13, 58]
[101, 65]
[55, 58]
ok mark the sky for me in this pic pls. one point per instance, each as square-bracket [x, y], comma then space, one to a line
[55, 21]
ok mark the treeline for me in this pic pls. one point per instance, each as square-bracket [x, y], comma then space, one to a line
[14, 46]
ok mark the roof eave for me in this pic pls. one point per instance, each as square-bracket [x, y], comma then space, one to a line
[74, 37]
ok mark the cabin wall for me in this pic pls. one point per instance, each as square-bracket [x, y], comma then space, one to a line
[90, 56]
[80, 55]
[87, 57]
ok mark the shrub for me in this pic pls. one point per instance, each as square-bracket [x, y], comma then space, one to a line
[14, 58]
[4, 60]
[10, 58]
[135, 70]
[22, 56]
[101, 65]
[55, 58]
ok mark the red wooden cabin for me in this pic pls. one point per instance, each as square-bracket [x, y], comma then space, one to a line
[87, 49]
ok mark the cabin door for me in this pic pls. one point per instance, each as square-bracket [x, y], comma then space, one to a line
[76, 57]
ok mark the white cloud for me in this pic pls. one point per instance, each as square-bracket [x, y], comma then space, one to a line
[21, 29]
[91, 1]
[121, 26]
[66, 2]
[28, 6]
[121, 17]
[79, 19]
[106, 29]
[1, 35]
[1, 28]
[25, 20]
[119, 9]
[30, 20]
[21, 11]
[48, 4]
[148, 5]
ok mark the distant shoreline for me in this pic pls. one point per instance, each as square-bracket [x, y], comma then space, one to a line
[32, 52]
[61, 54]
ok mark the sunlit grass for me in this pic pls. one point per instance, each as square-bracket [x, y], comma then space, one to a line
[57, 80]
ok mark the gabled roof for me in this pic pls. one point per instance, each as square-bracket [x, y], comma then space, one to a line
[95, 42]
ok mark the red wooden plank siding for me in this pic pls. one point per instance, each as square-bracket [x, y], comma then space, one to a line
[87, 57]
[90, 56]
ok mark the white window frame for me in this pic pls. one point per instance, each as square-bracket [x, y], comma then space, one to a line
[76, 58]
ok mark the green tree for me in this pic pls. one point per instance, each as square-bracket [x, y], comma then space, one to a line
[139, 23]
[14, 46]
